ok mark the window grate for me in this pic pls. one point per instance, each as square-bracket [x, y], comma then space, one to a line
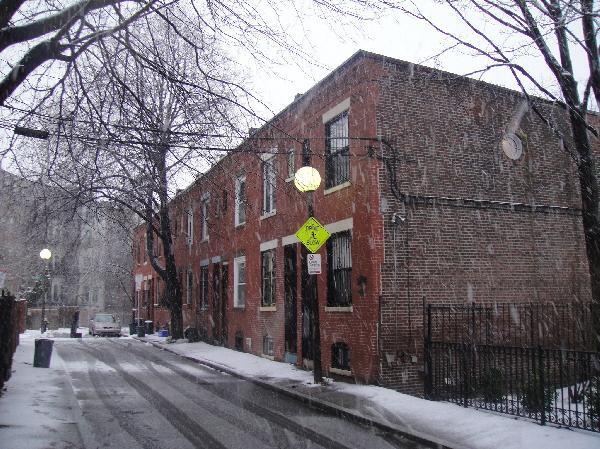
[337, 160]
[339, 269]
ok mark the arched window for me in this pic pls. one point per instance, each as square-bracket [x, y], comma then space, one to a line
[340, 356]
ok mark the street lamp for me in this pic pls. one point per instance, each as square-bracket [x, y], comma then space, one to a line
[45, 254]
[307, 180]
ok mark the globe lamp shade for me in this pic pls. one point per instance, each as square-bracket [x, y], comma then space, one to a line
[307, 179]
[45, 254]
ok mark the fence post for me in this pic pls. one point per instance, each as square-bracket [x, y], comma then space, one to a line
[428, 358]
[542, 386]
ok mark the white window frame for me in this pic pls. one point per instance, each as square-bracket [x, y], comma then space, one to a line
[269, 277]
[205, 235]
[269, 185]
[238, 302]
[190, 226]
[240, 201]
[291, 164]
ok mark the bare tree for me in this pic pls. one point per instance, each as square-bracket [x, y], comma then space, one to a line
[58, 31]
[138, 112]
[554, 30]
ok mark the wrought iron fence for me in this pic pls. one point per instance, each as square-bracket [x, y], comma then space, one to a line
[551, 376]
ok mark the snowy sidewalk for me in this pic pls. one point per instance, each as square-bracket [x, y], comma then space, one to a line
[36, 410]
[443, 423]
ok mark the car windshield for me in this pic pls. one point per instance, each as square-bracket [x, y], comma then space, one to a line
[104, 319]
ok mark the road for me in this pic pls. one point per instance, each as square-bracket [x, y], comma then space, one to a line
[133, 395]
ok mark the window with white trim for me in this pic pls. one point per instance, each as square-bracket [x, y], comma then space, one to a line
[239, 281]
[190, 226]
[269, 183]
[291, 163]
[337, 153]
[240, 200]
[268, 278]
[339, 269]
[205, 219]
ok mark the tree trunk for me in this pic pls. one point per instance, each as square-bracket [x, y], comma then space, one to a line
[588, 182]
[174, 298]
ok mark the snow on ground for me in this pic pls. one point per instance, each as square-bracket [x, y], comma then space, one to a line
[245, 364]
[453, 425]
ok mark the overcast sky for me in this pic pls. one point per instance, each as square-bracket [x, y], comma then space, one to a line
[395, 35]
[329, 41]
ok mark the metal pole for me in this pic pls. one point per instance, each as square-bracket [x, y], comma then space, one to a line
[314, 300]
[47, 279]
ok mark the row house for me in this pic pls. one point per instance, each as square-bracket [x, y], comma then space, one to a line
[436, 189]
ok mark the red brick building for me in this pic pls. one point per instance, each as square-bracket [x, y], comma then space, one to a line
[436, 188]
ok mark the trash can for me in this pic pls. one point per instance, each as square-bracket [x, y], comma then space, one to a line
[141, 331]
[149, 326]
[43, 352]
[132, 328]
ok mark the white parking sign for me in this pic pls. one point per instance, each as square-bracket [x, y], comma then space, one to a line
[314, 263]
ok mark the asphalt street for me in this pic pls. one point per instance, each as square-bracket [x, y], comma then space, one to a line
[132, 395]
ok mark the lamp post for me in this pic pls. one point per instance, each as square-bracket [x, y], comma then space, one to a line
[307, 179]
[45, 255]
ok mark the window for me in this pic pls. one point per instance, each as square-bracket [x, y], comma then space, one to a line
[268, 346]
[224, 203]
[175, 226]
[291, 163]
[269, 182]
[239, 281]
[268, 278]
[190, 226]
[340, 356]
[205, 219]
[156, 292]
[239, 341]
[306, 153]
[240, 200]
[190, 286]
[337, 161]
[339, 270]
[203, 287]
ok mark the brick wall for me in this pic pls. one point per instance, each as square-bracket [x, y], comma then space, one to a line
[471, 231]
[358, 201]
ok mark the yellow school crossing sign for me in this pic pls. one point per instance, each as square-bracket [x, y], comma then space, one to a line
[312, 234]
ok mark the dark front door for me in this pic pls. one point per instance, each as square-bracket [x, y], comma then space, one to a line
[309, 291]
[217, 307]
[224, 273]
[291, 315]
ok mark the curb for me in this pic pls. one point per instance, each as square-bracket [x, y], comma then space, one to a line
[324, 406]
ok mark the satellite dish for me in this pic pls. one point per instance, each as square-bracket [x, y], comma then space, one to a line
[512, 146]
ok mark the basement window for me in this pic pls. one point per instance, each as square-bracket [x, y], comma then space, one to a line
[340, 356]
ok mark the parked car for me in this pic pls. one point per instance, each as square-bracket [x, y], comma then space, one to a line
[105, 324]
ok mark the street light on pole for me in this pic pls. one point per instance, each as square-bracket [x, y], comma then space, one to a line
[307, 180]
[45, 255]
